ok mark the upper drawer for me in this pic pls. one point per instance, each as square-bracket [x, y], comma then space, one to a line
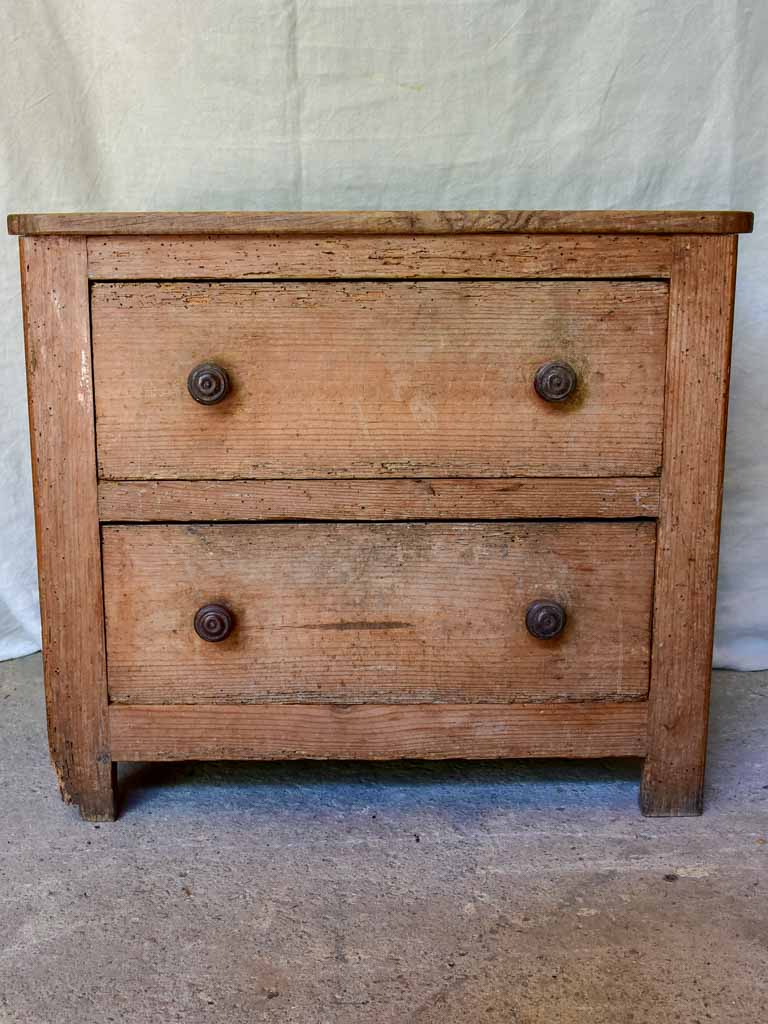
[376, 379]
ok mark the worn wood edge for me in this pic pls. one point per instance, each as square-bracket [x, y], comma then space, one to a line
[672, 784]
[457, 699]
[386, 222]
[379, 499]
[376, 732]
[37, 484]
[76, 688]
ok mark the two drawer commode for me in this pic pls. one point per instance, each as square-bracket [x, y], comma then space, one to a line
[378, 485]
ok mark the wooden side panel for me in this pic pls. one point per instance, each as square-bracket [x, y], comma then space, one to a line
[376, 732]
[56, 322]
[379, 379]
[378, 257]
[701, 310]
[271, 500]
[359, 612]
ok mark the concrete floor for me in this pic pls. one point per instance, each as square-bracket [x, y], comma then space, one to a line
[498, 893]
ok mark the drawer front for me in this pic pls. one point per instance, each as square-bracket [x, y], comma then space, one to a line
[352, 613]
[378, 379]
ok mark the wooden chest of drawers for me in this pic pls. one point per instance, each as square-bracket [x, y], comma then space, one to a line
[378, 485]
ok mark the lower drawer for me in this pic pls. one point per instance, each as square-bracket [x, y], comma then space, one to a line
[378, 613]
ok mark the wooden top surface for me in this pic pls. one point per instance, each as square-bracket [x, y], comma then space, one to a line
[375, 222]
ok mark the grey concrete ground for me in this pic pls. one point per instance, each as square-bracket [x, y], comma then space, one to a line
[355, 894]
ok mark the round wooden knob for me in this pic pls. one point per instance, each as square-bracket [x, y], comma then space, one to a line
[554, 382]
[208, 383]
[545, 619]
[214, 622]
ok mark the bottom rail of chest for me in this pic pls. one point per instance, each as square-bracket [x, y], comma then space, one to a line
[376, 732]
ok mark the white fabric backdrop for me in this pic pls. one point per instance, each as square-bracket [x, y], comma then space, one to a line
[393, 104]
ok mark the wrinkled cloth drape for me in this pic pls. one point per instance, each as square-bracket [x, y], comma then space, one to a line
[394, 104]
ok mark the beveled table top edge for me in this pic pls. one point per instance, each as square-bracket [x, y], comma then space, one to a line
[381, 222]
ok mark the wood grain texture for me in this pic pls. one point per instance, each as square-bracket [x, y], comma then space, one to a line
[384, 222]
[378, 613]
[701, 310]
[379, 257]
[56, 328]
[376, 732]
[273, 500]
[379, 380]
